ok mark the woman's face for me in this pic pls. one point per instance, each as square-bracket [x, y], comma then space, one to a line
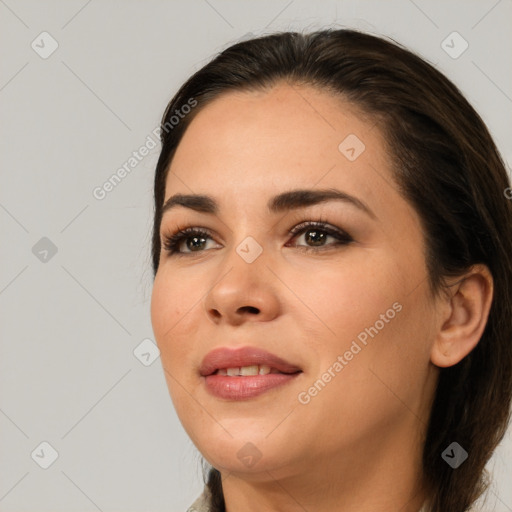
[352, 311]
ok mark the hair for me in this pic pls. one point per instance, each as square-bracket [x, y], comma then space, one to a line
[446, 166]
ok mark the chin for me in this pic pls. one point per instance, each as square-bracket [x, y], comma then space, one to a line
[246, 461]
[244, 451]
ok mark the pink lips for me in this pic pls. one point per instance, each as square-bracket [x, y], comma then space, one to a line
[244, 387]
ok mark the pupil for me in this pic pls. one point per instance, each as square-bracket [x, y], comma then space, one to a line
[191, 246]
[317, 237]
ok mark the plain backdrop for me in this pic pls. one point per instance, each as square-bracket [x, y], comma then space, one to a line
[75, 275]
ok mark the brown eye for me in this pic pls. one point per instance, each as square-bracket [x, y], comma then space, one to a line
[192, 238]
[316, 234]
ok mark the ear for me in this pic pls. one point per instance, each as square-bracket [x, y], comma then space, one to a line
[463, 316]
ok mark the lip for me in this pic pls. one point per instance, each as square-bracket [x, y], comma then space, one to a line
[225, 357]
[243, 388]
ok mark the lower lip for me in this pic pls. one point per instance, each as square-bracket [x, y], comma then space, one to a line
[242, 388]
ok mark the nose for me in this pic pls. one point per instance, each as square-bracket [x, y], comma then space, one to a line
[244, 292]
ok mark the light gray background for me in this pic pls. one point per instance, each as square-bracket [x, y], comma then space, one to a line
[69, 326]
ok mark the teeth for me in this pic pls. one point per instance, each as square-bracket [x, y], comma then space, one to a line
[247, 370]
[264, 369]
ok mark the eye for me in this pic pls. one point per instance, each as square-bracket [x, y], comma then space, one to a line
[315, 233]
[195, 239]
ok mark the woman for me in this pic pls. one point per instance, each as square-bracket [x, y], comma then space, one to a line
[333, 276]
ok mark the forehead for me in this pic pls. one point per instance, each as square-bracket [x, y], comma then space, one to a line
[262, 142]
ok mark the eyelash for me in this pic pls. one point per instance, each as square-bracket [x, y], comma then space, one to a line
[171, 242]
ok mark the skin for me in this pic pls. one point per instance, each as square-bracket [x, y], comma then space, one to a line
[356, 445]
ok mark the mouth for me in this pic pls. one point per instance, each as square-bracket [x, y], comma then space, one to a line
[244, 361]
[248, 371]
[240, 374]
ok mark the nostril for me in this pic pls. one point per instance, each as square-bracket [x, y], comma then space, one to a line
[250, 309]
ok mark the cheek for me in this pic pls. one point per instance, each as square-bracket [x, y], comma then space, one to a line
[384, 342]
[363, 307]
[172, 318]
[174, 304]
[347, 296]
[175, 295]
[165, 310]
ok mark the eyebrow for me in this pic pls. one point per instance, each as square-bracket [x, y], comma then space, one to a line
[285, 201]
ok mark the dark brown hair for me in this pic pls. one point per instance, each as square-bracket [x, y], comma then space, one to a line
[449, 169]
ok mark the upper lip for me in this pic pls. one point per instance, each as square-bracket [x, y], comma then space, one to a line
[225, 357]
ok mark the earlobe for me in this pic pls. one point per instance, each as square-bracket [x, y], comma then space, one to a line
[464, 316]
